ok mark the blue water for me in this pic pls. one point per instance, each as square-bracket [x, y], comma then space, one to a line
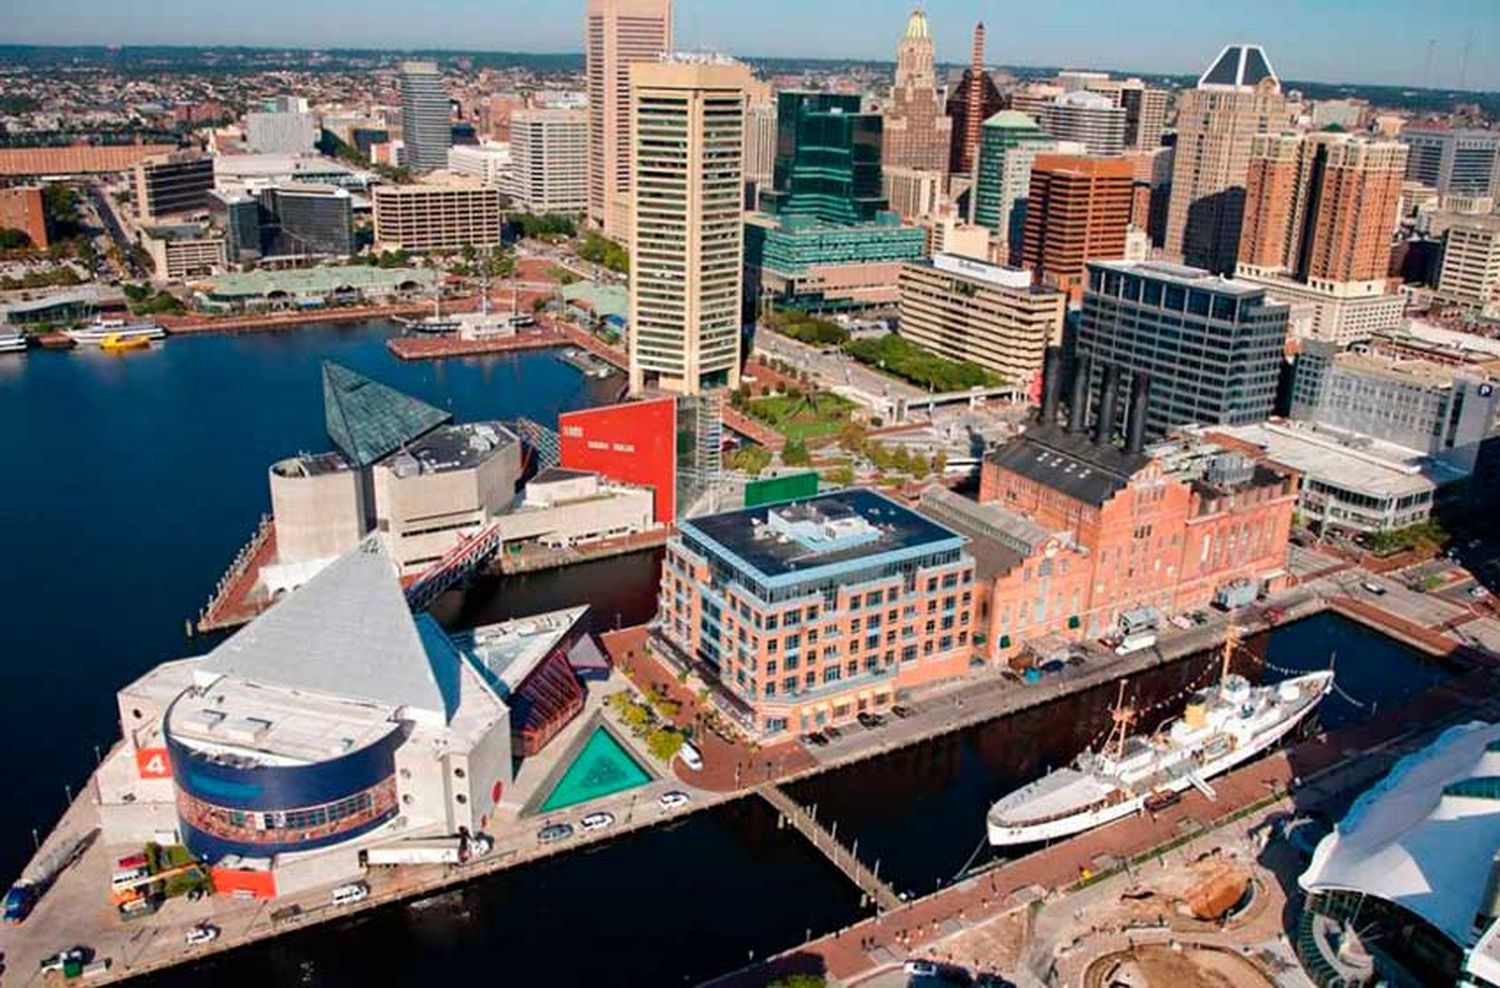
[128, 483]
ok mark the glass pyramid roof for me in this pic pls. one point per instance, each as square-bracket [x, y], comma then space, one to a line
[368, 420]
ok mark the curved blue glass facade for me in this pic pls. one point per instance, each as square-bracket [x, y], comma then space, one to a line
[259, 810]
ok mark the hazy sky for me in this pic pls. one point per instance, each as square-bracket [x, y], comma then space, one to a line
[1332, 40]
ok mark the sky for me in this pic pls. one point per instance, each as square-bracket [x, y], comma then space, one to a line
[1369, 41]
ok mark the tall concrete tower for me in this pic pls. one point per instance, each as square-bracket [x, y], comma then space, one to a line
[975, 118]
[424, 117]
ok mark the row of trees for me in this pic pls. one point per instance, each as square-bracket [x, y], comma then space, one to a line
[808, 328]
[599, 250]
[910, 362]
[545, 226]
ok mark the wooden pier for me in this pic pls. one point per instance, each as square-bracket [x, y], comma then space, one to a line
[843, 858]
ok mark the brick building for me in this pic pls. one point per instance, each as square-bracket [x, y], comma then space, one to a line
[21, 208]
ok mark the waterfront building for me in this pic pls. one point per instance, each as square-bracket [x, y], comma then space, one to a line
[22, 208]
[828, 165]
[918, 134]
[687, 232]
[973, 101]
[1078, 210]
[334, 722]
[807, 613]
[1320, 214]
[1089, 118]
[305, 221]
[184, 250]
[236, 216]
[77, 159]
[1145, 110]
[282, 131]
[561, 508]
[549, 149]
[633, 443]
[313, 287]
[1354, 484]
[1009, 143]
[1439, 410]
[803, 263]
[1454, 160]
[400, 468]
[1413, 867]
[1470, 275]
[1072, 533]
[172, 184]
[1213, 347]
[616, 34]
[990, 315]
[425, 128]
[443, 212]
[492, 164]
[1238, 97]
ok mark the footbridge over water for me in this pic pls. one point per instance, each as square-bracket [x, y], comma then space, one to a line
[844, 859]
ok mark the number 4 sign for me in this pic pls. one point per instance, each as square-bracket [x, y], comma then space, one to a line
[152, 763]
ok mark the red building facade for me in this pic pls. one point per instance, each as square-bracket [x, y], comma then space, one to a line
[633, 443]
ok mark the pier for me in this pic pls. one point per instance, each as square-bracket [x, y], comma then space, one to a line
[827, 843]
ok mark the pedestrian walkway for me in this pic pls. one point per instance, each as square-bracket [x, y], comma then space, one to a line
[842, 857]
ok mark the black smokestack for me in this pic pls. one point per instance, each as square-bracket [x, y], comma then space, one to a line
[1135, 423]
[1051, 384]
[1105, 430]
[1078, 410]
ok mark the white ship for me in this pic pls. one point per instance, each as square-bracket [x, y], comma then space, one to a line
[1222, 726]
[11, 341]
[100, 330]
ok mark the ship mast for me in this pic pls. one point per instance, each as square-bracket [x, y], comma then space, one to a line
[1123, 716]
[1231, 642]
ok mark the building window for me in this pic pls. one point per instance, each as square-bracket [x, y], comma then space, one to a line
[831, 674]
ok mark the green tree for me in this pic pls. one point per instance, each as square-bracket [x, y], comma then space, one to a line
[800, 981]
[795, 453]
[664, 743]
[12, 239]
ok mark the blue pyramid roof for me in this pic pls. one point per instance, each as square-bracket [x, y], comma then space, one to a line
[368, 420]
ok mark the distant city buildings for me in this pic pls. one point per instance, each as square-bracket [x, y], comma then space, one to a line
[687, 121]
[425, 117]
[1238, 97]
[760, 142]
[970, 103]
[828, 159]
[918, 134]
[1470, 275]
[549, 154]
[444, 213]
[287, 129]
[1456, 160]
[1092, 119]
[966, 309]
[172, 184]
[1009, 143]
[1078, 210]
[616, 34]
[77, 159]
[1145, 109]
[1211, 347]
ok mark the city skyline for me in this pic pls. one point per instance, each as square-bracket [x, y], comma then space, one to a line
[1337, 41]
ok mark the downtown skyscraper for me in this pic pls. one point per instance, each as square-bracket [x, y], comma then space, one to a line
[425, 127]
[917, 131]
[1238, 97]
[617, 33]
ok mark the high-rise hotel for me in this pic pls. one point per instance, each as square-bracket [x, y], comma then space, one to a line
[687, 119]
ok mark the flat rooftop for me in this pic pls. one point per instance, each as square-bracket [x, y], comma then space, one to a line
[450, 447]
[1183, 275]
[839, 527]
[505, 654]
[1069, 463]
[245, 722]
[311, 465]
[1378, 469]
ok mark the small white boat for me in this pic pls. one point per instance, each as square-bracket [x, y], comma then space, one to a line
[12, 341]
[96, 332]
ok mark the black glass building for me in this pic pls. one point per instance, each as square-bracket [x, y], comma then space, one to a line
[827, 159]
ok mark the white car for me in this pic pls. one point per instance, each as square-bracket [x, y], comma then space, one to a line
[1478, 593]
[690, 756]
[919, 968]
[672, 800]
[597, 821]
[346, 895]
[202, 933]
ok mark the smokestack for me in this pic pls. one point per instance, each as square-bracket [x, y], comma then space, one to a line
[1051, 385]
[1104, 432]
[1135, 421]
[1489, 902]
[1078, 410]
[975, 103]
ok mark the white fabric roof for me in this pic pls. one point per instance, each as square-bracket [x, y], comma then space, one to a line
[1407, 841]
[347, 632]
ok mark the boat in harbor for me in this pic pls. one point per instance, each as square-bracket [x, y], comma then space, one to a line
[12, 341]
[118, 343]
[1221, 726]
[96, 332]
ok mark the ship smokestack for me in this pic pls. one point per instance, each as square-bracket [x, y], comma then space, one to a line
[1135, 422]
[1078, 409]
[1051, 384]
[1104, 432]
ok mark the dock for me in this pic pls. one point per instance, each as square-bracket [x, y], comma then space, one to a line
[827, 843]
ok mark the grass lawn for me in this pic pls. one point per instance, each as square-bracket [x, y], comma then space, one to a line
[823, 414]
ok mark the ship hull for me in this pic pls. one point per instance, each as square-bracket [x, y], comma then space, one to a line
[1099, 814]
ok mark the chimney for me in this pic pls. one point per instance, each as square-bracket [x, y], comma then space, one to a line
[1135, 420]
[1489, 902]
[1051, 385]
[1104, 431]
[1078, 410]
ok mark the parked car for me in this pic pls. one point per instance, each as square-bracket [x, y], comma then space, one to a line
[918, 968]
[202, 933]
[347, 895]
[672, 800]
[870, 721]
[690, 756]
[554, 832]
[597, 821]
[1373, 587]
[63, 959]
[833, 732]
[901, 711]
[816, 737]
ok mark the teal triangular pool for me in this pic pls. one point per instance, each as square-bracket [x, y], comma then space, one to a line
[602, 768]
